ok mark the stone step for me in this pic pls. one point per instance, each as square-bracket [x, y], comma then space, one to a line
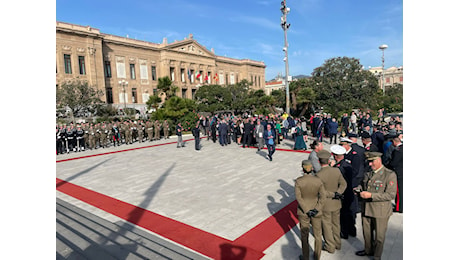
[82, 235]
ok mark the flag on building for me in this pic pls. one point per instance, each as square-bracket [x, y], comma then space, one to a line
[189, 74]
[216, 78]
[198, 75]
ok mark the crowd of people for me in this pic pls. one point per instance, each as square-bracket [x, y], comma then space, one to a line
[336, 184]
[357, 178]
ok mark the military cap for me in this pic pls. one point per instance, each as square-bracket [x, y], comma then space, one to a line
[365, 135]
[346, 140]
[338, 149]
[352, 135]
[370, 156]
[306, 162]
[324, 154]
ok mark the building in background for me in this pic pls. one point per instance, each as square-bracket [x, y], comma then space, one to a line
[392, 75]
[127, 70]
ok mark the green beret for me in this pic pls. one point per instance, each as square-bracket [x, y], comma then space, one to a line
[306, 162]
[324, 154]
[370, 156]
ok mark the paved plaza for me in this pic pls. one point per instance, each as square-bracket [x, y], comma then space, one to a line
[216, 203]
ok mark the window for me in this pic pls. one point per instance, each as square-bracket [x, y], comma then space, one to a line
[171, 73]
[201, 76]
[387, 80]
[192, 76]
[109, 96]
[143, 70]
[184, 93]
[232, 79]
[134, 95]
[226, 79]
[107, 69]
[154, 73]
[221, 78]
[182, 75]
[67, 64]
[132, 71]
[237, 78]
[121, 70]
[193, 93]
[81, 65]
[209, 77]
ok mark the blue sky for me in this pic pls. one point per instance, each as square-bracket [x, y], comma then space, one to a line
[320, 29]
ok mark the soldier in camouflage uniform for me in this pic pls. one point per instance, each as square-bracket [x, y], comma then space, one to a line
[157, 130]
[149, 128]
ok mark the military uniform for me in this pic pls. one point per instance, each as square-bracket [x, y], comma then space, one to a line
[166, 129]
[103, 136]
[310, 195]
[71, 138]
[335, 184]
[92, 137]
[149, 129]
[80, 139]
[377, 210]
[157, 130]
[140, 131]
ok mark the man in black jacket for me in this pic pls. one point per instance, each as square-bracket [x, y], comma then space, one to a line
[396, 165]
[196, 134]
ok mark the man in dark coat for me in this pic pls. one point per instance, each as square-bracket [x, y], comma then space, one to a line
[349, 203]
[333, 128]
[396, 165]
[223, 132]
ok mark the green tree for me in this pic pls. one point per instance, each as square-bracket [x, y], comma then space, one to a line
[238, 96]
[211, 98]
[78, 96]
[165, 85]
[153, 102]
[302, 95]
[342, 84]
[393, 98]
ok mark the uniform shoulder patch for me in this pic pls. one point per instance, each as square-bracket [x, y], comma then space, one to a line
[391, 183]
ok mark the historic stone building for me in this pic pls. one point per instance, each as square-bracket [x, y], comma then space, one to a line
[393, 75]
[127, 70]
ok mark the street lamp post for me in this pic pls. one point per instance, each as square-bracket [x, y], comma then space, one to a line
[123, 83]
[383, 47]
[285, 10]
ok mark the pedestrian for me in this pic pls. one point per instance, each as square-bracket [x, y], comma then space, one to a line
[345, 121]
[180, 143]
[367, 141]
[223, 132]
[247, 132]
[157, 126]
[259, 135]
[353, 119]
[299, 141]
[316, 146]
[213, 125]
[349, 203]
[166, 129]
[378, 190]
[335, 186]
[333, 130]
[80, 140]
[149, 127]
[310, 195]
[103, 136]
[269, 136]
[116, 135]
[396, 164]
[196, 135]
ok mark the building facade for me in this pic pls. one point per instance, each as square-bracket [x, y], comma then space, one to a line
[393, 75]
[127, 70]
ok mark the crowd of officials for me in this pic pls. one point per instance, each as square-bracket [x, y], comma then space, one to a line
[336, 184]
